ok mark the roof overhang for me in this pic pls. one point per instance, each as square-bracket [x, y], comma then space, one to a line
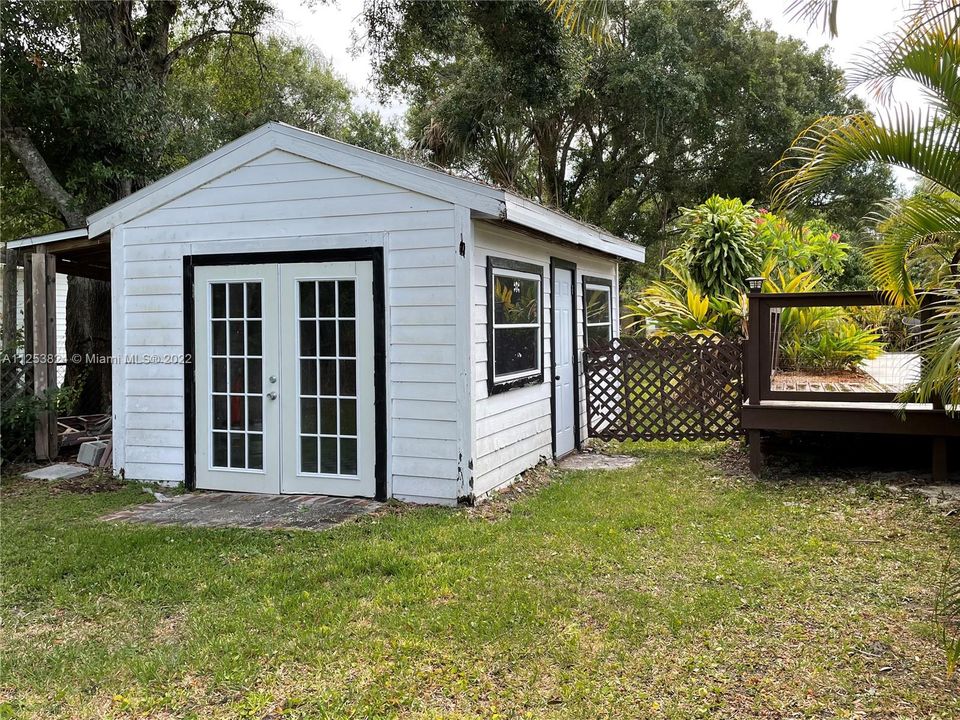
[550, 222]
[55, 237]
[484, 201]
[75, 251]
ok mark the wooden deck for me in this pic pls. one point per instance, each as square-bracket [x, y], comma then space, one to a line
[773, 404]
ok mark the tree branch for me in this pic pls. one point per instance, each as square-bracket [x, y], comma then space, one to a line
[191, 43]
[40, 174]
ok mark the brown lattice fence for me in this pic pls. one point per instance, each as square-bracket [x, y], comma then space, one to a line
[672, 387]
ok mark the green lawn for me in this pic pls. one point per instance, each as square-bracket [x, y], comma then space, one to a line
[667, 590]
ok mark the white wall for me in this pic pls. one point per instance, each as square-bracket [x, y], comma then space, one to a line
[513, 429]
[285, 202]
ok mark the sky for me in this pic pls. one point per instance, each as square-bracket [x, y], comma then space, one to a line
[329, 28]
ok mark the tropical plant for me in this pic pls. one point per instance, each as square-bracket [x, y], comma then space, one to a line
[677, 305]
[923, 227]
[948, 609]
[925, 50]
[817, 338]
[590, 18]
[922, 230]
[720, 245]
[798, 248]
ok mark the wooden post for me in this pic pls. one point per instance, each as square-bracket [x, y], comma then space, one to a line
[939, 459]
[43, 324]
[11, 259]
[53, 437]
[752, 364]
[756, 452]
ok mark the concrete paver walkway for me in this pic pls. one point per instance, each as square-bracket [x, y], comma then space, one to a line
[247, 510]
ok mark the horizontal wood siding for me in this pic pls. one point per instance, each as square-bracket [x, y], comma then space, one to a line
[514, 429]
[284, 202]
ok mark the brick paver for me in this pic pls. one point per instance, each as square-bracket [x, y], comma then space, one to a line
[247, 510]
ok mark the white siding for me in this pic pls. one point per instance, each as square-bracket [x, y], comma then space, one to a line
[281, 202]
[514, 429]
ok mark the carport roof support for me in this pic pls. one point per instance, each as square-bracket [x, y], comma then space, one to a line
[75, 251]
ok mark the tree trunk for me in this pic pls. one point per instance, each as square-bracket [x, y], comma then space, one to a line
[89, 334]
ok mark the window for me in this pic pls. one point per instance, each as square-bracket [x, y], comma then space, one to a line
[514, 320]
[597, 308]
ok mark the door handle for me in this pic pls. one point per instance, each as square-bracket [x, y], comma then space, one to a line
[272, 395]
[556, 377]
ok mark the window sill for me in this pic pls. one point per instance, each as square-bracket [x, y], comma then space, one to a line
[494, 388]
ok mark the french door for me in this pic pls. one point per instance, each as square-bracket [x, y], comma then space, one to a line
[285, 378]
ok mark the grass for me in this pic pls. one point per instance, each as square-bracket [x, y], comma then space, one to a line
[665, 590]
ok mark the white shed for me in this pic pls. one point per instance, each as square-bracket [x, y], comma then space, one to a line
[292, 314]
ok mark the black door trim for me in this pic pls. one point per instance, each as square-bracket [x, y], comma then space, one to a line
[572, 267]
[372, 254]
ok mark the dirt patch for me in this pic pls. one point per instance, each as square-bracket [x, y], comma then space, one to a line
[734, 463]
[498, 504]
[598, 461]
[96, 481]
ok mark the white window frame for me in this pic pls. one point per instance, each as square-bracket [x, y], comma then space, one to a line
[608, 289]
[500, 383]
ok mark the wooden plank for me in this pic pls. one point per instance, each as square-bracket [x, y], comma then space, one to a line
[38, 291]
[51, 369]
[106, 461]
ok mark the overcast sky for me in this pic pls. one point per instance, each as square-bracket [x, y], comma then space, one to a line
[329, 28]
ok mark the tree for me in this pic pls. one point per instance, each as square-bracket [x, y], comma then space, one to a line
[683, 100]
[84, 114]
[236, 87]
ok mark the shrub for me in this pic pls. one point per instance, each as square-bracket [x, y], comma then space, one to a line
[720, 246]
[819, 338]
[678, 306]
[19, 407]
[796, 249]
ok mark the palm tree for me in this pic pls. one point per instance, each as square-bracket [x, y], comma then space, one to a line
[926, 225]
[590, 18]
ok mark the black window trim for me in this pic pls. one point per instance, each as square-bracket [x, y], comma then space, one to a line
[536, 377]
[608, 284]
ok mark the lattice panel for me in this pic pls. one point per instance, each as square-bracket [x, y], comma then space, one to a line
[672, 387]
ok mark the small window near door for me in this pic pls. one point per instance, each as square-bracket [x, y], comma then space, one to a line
[514, 324]
[598, 310]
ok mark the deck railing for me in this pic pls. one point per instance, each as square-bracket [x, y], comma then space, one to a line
[762, 347]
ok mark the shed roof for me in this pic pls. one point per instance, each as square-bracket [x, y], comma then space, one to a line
[483, 200]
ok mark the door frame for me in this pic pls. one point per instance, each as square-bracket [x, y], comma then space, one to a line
[350, 254]
[555, 263]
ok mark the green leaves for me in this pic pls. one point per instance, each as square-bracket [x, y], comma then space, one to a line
[719, 244]
[590, 18]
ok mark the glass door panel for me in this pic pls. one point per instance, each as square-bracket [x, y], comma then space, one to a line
[237, 349]
[331, 306]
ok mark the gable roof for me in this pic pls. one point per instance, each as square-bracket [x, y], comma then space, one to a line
[483, 200]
